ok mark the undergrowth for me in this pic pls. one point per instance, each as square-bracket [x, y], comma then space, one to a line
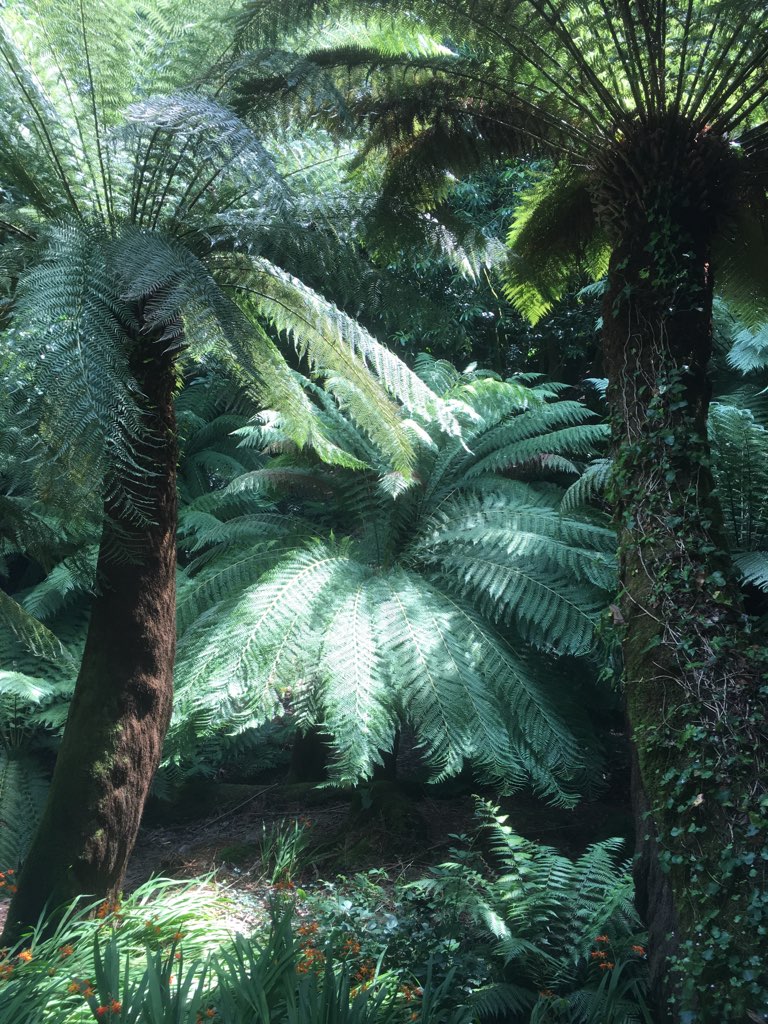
[505, 929]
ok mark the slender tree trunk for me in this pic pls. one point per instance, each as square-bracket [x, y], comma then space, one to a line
[692, 675]
[123, 696]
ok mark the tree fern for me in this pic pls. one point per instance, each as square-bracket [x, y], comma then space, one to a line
[186, 191]
[396, 594]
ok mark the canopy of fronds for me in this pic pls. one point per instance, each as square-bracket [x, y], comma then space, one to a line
[620, 95]
[361, 605]
[141, 218]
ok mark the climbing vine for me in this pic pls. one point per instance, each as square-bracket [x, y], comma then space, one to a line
[696, 670]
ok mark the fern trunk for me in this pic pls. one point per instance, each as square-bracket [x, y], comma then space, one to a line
[123, 697]
[692, 675]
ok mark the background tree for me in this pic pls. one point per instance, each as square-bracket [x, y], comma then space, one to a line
[642, 104]
[132, 229]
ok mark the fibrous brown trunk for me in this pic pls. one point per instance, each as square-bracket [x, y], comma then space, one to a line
[692, 678]
[123, 696]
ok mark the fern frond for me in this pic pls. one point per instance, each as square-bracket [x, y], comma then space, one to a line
[529, 566]
[69, 579]
[333, 343]
[753, 566]
[356, 699]
[23, 788]
[740, 467]
[590, 486]
[554, 236]
[31, 633]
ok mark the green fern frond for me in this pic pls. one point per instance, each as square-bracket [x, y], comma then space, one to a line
[554, 236]
[750, 349]
[524, 565]
[25, 689]
[23, 788]
[501, 999]
[753, 566]
[740, 467]
[590, 486]
[31, 633]
[71, 578]
[355, 698]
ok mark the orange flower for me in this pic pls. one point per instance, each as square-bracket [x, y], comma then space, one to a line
[546, 993]
[115, 1006]
[87, 992]
[366, 971]
[73, 987]
[177, 936]
[25, 955]
[606, 966]
[66, 950]
[602, 938]
[13, 888]
[598, 954]
[102, 1011]
[210, 1012]
[640, 950]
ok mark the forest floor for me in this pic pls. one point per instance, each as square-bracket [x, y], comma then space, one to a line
[401, 829]
[395, 831]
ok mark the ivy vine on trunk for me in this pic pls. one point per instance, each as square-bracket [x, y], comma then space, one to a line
[693, 679]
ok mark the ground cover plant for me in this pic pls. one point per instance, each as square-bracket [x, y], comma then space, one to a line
[466, 942]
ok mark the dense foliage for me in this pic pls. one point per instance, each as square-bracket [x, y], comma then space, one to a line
[233, 521]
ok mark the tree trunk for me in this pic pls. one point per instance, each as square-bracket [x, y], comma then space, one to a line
[692, 674]
[123, 696]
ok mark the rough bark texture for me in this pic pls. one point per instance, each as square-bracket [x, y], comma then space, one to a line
[692, 681]
[123, 697]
